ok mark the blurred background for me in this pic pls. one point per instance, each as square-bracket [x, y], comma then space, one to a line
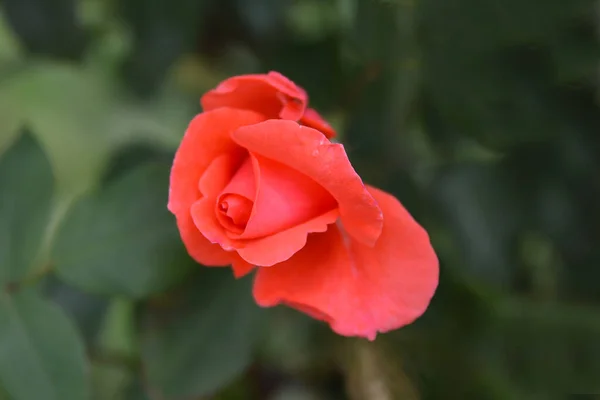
[481, 116]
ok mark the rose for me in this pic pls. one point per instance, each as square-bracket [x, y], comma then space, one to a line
[257, 182]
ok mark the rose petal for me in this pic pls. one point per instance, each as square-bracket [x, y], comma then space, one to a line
[312, 119]
[309, 152]
[198, 247]
[359, 290]
[279, 247]
[218, 174]
[240, 266]
[285, 198]
[285, 85]
[264, 251]
[236, 209]
[207, 136]
[244, 180]
[272, 95]
[203, 211]
[205, 220]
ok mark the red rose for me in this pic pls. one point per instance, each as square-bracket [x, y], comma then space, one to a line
[257, 182]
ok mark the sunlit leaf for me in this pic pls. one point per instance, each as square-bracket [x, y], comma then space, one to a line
[66, 108]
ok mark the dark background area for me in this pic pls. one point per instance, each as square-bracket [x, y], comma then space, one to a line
[481, 116]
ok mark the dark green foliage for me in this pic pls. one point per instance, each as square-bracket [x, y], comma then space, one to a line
[203, 338]
[43, 356]
[26, 190]
[122, 240]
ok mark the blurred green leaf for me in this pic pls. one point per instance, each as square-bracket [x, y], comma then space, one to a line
[159, 122]
[9, 123]
[203, 337]
[115, 355]
[118, 332]
[130, 157]
[66, 107]
[42, 355]
[26, 190]
[81, 118]
[9, 45]
[85, 309]
[121, 239]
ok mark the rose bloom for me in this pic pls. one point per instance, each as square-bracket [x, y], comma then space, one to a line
[257, 184]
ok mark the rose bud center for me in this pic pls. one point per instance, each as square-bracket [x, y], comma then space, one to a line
[264, 197]
[233, 211]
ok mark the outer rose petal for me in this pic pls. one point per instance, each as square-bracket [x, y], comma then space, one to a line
[312, 119]
[272, 95]
[198, 247]
[308, 151]
[240, 266]
[207, 136]
[359, 290]
[279, 247]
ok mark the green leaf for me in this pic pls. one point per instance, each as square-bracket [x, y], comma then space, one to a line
[26, 189]
[10, 48]
[159, 122]
[116, 356]
[79, 118]
[66, 107]
[41, 354]
[85, 309]
[122, 240]
[204, 338]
